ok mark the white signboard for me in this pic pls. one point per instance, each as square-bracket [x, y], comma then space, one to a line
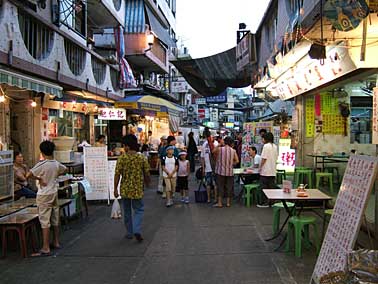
[375, 116]
[112, 113]
[286, 156]
[345, 222]
[201, 101]
[96, 172]
[111, 171]
[179, 87]
[307, 74]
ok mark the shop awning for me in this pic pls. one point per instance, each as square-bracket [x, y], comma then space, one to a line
[138, 15]
[29, 83]
[149, 103]
[211, 75]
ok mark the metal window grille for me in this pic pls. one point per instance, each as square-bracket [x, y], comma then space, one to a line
[37, 37]
[99, 70]
[114, 76]
[76, 57]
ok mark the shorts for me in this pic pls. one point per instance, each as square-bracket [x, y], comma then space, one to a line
[182, 183]
[170, 184]
[225, 185]
[210, 179]
[48, 210]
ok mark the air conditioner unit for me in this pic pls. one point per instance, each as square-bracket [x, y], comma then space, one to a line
[192, 110]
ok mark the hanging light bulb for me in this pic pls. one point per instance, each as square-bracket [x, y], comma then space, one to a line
[33, 103]
[2, 98]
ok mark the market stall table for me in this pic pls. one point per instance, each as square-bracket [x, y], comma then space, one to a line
[243, 173]
[19, 223]
[280, 195]
[323, 159]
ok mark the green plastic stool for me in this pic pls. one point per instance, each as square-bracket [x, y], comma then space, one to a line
[276, 214]
[329, 177]
[300, 223]
[299, 175]
[280, 176]
[248, 193]
[333, 170]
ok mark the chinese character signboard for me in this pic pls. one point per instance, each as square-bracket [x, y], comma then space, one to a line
[112, 114]
[219, 99]
[286, 156]
[348, 212]
[375, 116]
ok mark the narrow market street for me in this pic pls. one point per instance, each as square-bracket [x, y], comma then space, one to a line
[183, 244]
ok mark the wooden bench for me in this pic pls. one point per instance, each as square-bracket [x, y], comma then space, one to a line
[20, 223]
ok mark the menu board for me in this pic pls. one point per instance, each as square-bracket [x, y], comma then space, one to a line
[111, 171]
[251, 138]
[96, 172]
[345, 222]
[310, 118]
[375, 116]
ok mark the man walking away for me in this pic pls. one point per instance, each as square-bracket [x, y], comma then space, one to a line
[134, 170]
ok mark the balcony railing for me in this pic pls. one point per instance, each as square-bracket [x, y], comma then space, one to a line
[98, 69]
[76, 57]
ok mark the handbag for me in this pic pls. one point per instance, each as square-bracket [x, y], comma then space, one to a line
[200, 195]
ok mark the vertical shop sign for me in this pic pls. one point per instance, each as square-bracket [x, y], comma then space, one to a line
[375, 116]
[348, 212]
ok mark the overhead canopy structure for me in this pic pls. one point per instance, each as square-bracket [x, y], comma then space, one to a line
[150, 105]
[211, 75]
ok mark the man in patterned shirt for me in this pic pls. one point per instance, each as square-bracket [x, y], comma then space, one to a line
[134, 170]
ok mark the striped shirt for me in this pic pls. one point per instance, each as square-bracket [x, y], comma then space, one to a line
[225, 161]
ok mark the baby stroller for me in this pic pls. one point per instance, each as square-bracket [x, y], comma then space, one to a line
[200, 194]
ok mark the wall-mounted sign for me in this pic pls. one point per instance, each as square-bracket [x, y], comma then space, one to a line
[229, 125]
[246, 51]
[201, 101]
[179, 87]
[220, 99]
[308, 74]
[112, 114]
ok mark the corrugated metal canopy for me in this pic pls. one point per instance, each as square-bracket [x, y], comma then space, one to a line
[211, 75]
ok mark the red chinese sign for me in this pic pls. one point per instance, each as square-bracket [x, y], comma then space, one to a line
[112, 113]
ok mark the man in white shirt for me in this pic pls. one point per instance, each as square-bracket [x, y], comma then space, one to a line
[255, 158]
[269, 157]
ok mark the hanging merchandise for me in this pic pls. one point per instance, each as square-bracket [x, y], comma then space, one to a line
[346, 15]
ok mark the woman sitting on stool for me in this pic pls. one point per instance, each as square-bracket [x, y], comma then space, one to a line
[21, 186]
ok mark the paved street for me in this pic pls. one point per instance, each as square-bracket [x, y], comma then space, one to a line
[183, 244]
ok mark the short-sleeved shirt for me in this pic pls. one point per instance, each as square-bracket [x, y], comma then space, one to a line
[225, 161]
[183, 168]
[48, 170]
[256, 161]
[270, 153]
[20, 176]
[132, 168]
[205, 154]
[169, 164]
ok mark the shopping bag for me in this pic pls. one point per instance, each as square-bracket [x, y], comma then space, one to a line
[116, 210]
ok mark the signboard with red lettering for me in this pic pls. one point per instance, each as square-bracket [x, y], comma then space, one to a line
[308, 74]
[375, 116]
[286, 156]
[112, 113]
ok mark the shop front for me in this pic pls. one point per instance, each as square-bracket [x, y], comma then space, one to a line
[21, 98]
[150, 114]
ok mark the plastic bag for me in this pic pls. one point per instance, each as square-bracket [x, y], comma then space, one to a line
[116, 210]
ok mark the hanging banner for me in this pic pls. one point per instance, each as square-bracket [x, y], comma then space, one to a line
[375, 116]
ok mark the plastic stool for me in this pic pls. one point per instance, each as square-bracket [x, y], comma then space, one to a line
[329, 176]
[276, 214]
[280, 176]
[299, 224]
[333, 170]
[248, 188]
[299, 175]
